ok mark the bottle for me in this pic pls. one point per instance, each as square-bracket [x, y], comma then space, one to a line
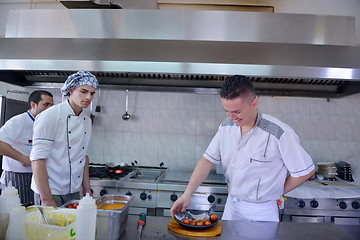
[9, 198]
[17, 228]
[86, 218]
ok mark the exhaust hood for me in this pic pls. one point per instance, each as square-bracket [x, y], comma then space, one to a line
[284, 54]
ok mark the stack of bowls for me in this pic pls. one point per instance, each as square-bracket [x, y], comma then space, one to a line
[327, 170]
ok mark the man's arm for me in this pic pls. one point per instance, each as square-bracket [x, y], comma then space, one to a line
[42, 182]
[86, 178]
[200, 172]
[293, 182]
[7, 150]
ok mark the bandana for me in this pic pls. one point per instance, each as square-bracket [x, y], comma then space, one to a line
[79, 79]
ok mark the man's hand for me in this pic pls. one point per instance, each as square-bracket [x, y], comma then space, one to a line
[25, 160]
[180, 205]
[48, 202]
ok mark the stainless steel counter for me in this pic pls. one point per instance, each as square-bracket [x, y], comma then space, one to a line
[156, 228]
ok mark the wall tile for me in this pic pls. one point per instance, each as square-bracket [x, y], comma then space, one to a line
[338, 128]
[96, 145]
[319, 106]
[113, 120]
[185, 147]
[130, 146]
[338, 107]
[336, 151]
[167, 148]
[205, 102]
[300, 105]
[281, 105]
[354, 106]
[150, 100]
[264, 104]
[169, 100]
[113, 98]
[300, 124]
[319, 128]
[186, 122]
[354, 129]
[168, 121]
[150, 120]
[205, 123]
[187, 101]
[113, 142]
[318, 150]
[352, 149]
[149, 145]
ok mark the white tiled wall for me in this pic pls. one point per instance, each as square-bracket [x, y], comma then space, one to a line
[176, 128]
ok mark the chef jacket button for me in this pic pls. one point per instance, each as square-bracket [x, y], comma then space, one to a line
[69, 147]
[85, 132]
[69, 117]
[83, 147]
[69, 132]
[80, 161]
[78, 176]
[84, 118]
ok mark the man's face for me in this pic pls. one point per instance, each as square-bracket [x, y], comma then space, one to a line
[241, 111]
[45, 102]
[82, 95]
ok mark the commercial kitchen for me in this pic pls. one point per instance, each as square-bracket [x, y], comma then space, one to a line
[157, 107]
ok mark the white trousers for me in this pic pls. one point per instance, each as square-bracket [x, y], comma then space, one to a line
[236, 209]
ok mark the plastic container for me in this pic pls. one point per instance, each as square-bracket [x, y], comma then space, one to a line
[61, 224]
[86, 218]
[9, 199]
[110, 224]
[16, 228]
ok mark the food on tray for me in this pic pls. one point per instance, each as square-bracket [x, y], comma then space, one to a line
[73, 205]
[111, 206]
[196, 220]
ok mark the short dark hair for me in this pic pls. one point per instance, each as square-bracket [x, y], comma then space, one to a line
[35, 96]
[236, 86]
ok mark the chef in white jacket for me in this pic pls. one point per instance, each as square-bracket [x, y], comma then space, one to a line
[61, 137]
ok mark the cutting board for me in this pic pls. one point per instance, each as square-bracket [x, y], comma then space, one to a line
[210, 232]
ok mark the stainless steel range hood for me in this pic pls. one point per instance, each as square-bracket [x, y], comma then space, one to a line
[183, 50]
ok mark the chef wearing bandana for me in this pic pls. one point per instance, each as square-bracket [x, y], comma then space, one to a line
[60, 141]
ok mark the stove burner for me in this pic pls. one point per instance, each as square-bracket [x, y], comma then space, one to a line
[101, 171]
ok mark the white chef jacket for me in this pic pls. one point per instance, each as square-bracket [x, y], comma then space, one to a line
[62, 139]
[256, 165]
[17, 132]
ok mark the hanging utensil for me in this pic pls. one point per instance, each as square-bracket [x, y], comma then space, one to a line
[126, 116]
[98, 108]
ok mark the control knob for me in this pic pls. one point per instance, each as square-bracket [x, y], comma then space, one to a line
[355, 205]
[342, 205]
[301, 204]
[211, 198]
[218, 201]
[314, 203]
[149, 196]
[103, 192]
[128, 193]
[173, 197]
[143, 195]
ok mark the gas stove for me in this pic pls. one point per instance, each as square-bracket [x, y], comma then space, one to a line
[155, 189]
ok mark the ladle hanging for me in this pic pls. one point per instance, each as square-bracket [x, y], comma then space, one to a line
[126, 116]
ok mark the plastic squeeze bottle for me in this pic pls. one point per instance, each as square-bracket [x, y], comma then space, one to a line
[9, 198]
[17, 228]
[86, 218]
